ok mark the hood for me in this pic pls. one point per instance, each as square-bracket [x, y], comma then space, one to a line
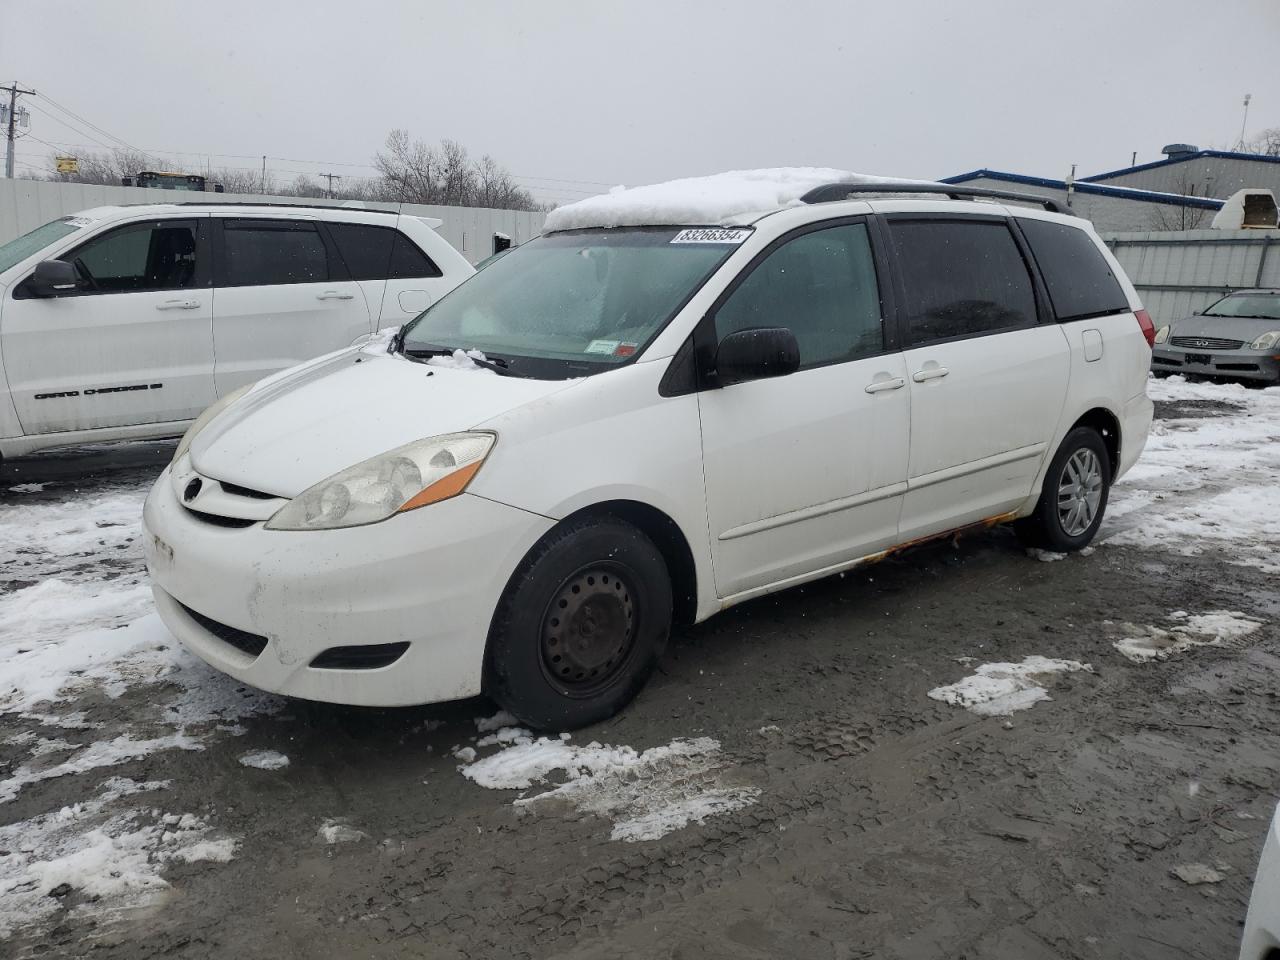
[305, 426]
[1245, 329]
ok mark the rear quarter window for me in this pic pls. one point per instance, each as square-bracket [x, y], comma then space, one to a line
[380, 253]
[1078, 277]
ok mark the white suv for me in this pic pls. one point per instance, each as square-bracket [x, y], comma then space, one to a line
[679, 398]
[126, 322]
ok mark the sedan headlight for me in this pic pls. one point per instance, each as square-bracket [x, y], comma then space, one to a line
[412, 476]
[1266, 341]
[1162, 334]
[202, 421]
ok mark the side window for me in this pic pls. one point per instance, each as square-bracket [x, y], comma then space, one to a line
[379, 253]
[408, 262]
[1078, 277]
[266, 252]
[822, 286]
[159, 255]
[962, 278]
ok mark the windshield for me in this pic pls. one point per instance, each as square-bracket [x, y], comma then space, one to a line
[1265, 305]
[15, 251]
[589, 298]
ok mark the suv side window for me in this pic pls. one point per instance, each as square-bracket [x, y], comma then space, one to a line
[268, 252]
[157, 255]
[822, 286]
[380, 253]
[1077, 275]
[961, 278]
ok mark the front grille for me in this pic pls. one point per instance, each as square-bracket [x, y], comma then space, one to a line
[1168, 361]
[217, 521]
[238, 491]
[1240, 367]
[242, 640]
[1206, 343]
[367, 657]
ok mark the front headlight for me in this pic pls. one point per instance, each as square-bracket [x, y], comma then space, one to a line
[1266, 341]
[412, 476]
[202, 421]
[1163, 334]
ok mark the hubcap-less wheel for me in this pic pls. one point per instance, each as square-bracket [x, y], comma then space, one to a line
[1079, 492]
[588, 631]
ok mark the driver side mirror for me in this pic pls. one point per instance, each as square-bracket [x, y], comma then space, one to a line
[53, 277]
[756, 354]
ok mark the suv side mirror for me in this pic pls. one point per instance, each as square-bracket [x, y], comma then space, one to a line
[53, 277]
[756, 354]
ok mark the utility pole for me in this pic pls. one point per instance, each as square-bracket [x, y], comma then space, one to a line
[264, 174]
[14, 91]
[331, 177]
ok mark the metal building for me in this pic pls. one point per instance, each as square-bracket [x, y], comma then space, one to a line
[1186, 169]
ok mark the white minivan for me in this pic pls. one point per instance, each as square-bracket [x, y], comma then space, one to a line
[678, 398]
[125, 322]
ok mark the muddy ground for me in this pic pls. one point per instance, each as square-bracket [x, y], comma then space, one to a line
[886, 824]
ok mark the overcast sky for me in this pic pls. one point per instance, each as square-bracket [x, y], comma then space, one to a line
[597, 93]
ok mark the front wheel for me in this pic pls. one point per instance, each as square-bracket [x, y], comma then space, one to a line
[1074, 497]
[580, 626]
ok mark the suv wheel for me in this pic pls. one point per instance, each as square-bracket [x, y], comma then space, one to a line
[580, 626]
[1074, 497]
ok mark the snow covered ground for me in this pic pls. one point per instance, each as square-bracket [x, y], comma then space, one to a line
[77, 632]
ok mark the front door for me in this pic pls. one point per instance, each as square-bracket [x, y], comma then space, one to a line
[132, 344]
[282, 295]
[806, 472]
[987, 378]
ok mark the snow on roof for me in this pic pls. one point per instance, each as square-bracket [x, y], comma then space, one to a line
[718, 199]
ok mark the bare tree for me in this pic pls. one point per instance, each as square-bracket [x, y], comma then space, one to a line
[417, 172]
[1265, 142]
[1168, 216]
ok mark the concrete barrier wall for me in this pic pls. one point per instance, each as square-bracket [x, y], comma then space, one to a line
[1180, 272]
[26, 204]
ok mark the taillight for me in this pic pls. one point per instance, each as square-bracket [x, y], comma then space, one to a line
[1148, 328]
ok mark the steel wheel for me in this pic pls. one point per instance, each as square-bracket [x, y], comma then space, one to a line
[589, 630]
[1080, 492]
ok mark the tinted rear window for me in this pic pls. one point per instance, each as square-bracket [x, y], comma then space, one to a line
[379, 253]
[269, 252]
[1079, 278]
[962, 278]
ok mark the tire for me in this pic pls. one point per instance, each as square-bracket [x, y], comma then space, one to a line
[580, 626]
[1070, 526]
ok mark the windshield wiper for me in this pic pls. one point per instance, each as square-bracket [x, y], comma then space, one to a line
[496, 364]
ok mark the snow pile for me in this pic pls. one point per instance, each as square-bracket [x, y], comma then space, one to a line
[264, 760]
[336, 831]
[28, 487]
[99, 862]
[1206, 483]
[647, 795]
[999, 689]
[1211, 629]
[722, 198]
[461, 360]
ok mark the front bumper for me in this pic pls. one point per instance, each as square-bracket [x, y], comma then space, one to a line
[1242, 364]
[1262, 925]
[431, 577]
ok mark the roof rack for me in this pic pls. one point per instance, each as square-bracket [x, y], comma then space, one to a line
[255, 203]
[831, 192]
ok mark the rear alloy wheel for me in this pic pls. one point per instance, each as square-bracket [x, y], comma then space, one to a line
[580, 626]
[1074, 497]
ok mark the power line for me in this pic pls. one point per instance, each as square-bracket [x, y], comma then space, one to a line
[89, 123]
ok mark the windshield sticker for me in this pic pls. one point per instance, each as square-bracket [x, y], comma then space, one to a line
[625, 349]
[602, 346]
[712, 235]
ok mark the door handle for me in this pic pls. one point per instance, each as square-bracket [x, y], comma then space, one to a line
[929, 373]
[878, 386]
[334, 295]
[178, 305]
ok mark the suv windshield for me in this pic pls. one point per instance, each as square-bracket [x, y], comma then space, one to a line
[582, 301]
[17, 250]
[1265, 305]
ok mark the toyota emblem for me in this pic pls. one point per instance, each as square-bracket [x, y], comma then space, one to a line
[193, 488]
